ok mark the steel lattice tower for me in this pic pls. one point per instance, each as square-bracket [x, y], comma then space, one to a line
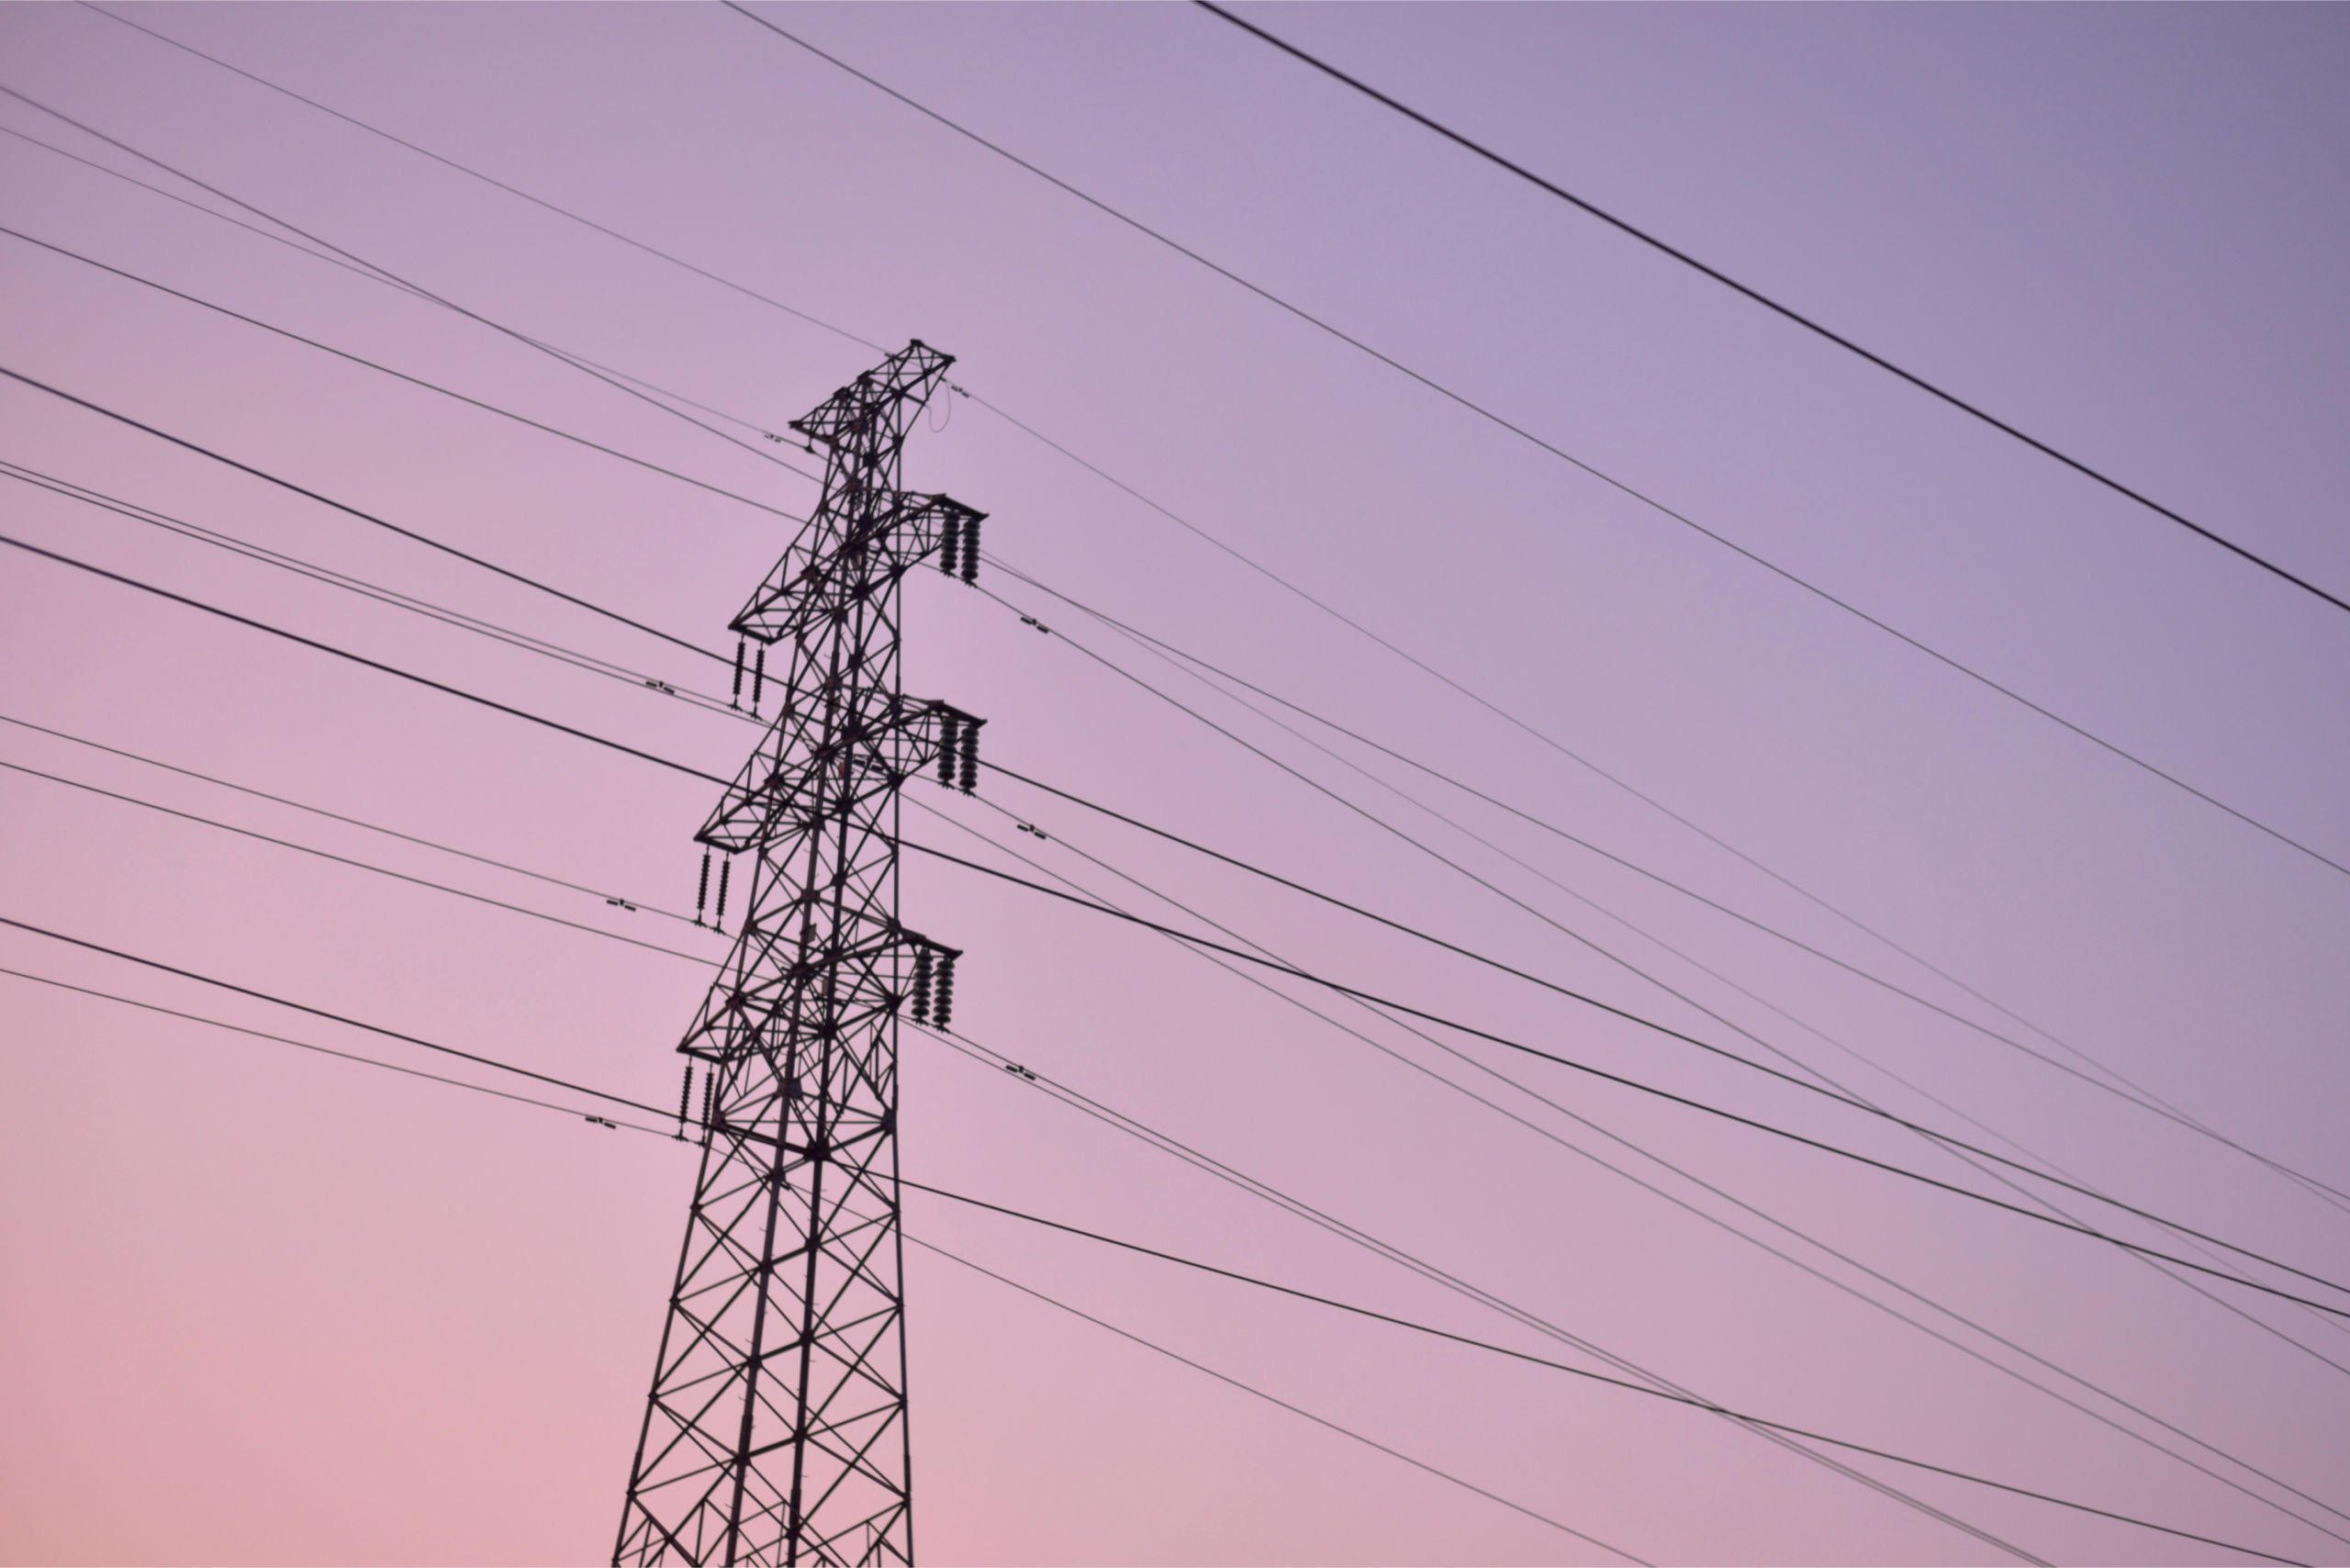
[775, 1430]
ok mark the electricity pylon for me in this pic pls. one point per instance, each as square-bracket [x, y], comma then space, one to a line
[776, 1431]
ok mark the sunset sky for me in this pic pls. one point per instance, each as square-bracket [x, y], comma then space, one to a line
[1724, 679]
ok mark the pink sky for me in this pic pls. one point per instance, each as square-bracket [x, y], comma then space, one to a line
[265, 1306]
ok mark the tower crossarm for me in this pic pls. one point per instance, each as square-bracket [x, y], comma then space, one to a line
[857, 544]
[805, 768]
[873, 412]
[796, 980]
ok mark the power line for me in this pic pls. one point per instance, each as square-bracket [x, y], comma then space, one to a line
[364, 588]
[1235, 1276]
[323, 1050]
[1941, 1137]
[584, 662]
[475, 173]
[359, 865]
[1841, 1093]
[367, 1061]
[1433, 1332]
[375, 277]
[416, 289]
[1729, 1116]
[2145, 1095]
[362, 516]
[250, 320]
[356, 659]
[2004, 1179]
[2138, 1097]
[295, 245]
[1074, 457]
[1319, 604]
[487, 629]
[1698, 1404]
[1031, 430]
[351, 822]
[1560, 453]
[1807, 323]
[1325, 1017]
[1066, 1096]
[402, 375]
[1351, 908]
[382, 280]
[1834, 1092]
[333, 1017]
[1220, 1377]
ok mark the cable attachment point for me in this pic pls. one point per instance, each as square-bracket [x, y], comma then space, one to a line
[949, 728]
[943, 1008]
[950, 542]
[921, 985]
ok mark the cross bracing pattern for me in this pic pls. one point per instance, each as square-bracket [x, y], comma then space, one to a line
[777, 1429]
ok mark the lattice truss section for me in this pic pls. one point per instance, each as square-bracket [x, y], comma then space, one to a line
[777, 1431]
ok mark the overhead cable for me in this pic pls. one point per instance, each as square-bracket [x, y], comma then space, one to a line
[1853, 1474]
[299, 567]
[377, 278]
[324, 1052]
[805, 316]
[357, 865]
[2134, 1095]
[349, 822]
[402, 375]
[425, 540]
[813, 320]
[1626, 1384]
[361, 864]
[2135, 1092]
[1234, 1275]
[1835, 1092]
[1807, 323]
[1941, 1138]
[357, 658]
[594, 931]
[1586, 1068]
[459, 1083]
[1220, 1377]
[1558, 452]
[473, 624]
[419, 290]
[333, 1017]
[1979, 1166]
[1063, 1094]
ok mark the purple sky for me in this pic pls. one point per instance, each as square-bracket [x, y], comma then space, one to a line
[262, 1305]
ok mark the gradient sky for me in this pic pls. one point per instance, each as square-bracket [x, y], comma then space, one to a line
[263, 1306]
